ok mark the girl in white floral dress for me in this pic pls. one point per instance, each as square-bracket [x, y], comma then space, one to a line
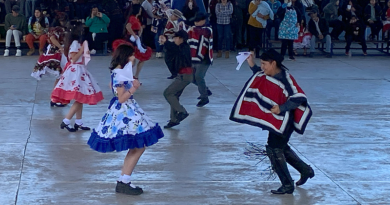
[125, 126]
[76, 82]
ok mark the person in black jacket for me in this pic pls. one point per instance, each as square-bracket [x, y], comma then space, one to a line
[183, 66]
[355, 32]
[189, 11]
[372, 17]
[319, 28]
[351, 8]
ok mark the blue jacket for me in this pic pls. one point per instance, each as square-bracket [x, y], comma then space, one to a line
[274, 6]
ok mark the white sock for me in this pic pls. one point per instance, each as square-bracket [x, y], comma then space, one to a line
[66, 121]
[79, 121]
[125, 178]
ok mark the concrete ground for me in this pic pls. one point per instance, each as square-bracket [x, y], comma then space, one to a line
[201, 161]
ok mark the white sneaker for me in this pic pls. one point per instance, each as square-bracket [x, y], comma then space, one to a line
[18, 53]
[6, 52]
[158, 55]
[93, 52]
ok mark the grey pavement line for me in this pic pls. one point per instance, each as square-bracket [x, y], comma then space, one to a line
[335, 182]
[222, 83]
[25, 146]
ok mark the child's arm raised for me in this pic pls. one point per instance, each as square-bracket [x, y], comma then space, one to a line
[124, 94]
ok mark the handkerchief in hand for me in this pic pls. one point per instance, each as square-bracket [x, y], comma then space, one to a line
[242, 56]
[86, 55]
[126, 73]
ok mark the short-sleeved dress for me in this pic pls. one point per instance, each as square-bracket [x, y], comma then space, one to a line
[125, 125]
[77, 83]
[50, 62]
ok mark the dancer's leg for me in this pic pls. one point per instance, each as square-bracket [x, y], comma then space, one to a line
[139, 68]
[131, 160]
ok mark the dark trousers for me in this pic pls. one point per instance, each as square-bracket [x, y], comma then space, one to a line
[215, 35]
[98, 42]
[148, 36]
[287, 44]
[375, 28]
[276, 140]
[10, 3]
[273, 23]
[255, 37]
[338, 28]
[173, 92]
[224, 36]
[200, 70]
[115, 30]
[360, 38]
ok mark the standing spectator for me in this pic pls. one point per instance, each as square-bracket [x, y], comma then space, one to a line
[256, 25]
[114, 13]
[2, 11]
[159, 21]
[189, 11]
[213, 22]
[386, 21]
[10, 3]
[147, 34]
[244, 6]
[331, 16]
[355, 32]
[319, 29]
[236, 25]
[351, 8]
[81, 8]
[275, 5]
[223, 11]
[289, 27]
[372, 16]
[30, 7]
[97, 24]
[15, 24]
[241, 11]
[38, 26]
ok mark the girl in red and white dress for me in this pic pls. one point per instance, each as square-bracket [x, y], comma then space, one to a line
[132, 33]
[76, 83]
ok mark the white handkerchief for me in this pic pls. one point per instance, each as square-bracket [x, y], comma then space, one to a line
[87, 56]
[242, 56]
[126, 73]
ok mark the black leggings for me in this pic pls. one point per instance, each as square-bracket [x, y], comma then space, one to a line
[287, 43]
[255, 37]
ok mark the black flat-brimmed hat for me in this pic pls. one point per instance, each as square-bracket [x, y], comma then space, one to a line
[200, 16]
[272, 54]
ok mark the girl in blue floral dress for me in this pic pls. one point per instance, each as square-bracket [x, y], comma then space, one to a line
[125, 126]
[289, 27]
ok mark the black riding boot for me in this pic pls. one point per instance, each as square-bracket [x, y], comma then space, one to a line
[296, 162]
[279, 165]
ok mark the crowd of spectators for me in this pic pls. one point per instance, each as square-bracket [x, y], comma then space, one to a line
[236, 23]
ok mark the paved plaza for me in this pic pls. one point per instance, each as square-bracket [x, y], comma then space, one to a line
[201, 161]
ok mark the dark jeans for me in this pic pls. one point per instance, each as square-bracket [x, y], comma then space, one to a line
[375, 28]
[115, 30]
[280, 141]
[30, 6]
[147, 36]
[160, 31]
[255, 37]
[200, 70]
[270, 24]
[173, 92]
[338, 28]
[215, 35]
[287, 44]
[224, 36]
[98, 42]
[350, 38]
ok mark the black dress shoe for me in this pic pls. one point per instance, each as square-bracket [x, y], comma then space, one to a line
[284, 190]
[127, 189]
[171, 124]
[63, 125]
[208, 93]
[181, 116]
[53, 104]
[305, 177]
[202, 103]
[81, 127]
